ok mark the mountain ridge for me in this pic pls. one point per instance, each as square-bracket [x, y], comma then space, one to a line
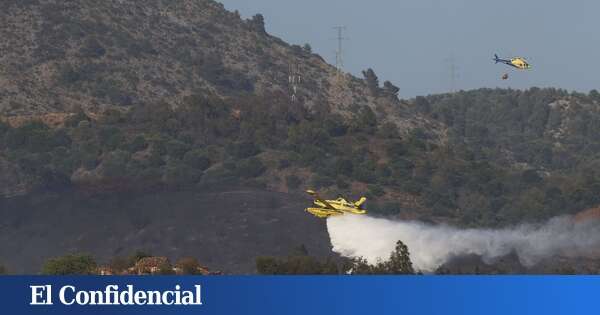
[115, 54]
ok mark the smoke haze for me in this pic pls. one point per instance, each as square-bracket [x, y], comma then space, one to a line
[431, 246]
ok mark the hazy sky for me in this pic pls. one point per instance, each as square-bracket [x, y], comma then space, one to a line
[408, 41]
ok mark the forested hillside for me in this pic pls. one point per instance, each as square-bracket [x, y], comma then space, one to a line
[507, 158]
[533, 153]
[117, 96]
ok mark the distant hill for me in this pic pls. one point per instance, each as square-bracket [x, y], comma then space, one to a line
[536, 152]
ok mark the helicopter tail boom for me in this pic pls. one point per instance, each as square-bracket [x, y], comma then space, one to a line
[498, 60]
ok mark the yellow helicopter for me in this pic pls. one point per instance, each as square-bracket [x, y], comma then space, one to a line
[339, 206]
[517, 62]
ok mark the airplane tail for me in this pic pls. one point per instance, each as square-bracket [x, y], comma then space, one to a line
[496, 59]
[360, 202]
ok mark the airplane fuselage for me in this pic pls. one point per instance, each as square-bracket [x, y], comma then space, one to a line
[341, 206]
[327, 208]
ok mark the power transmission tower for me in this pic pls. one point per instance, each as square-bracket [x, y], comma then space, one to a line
[451, 62]
[294, 78]
[339, 54]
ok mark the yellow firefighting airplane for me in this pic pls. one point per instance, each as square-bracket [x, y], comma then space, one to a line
[340, 206]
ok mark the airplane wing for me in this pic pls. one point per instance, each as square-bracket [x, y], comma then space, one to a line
[327, 204]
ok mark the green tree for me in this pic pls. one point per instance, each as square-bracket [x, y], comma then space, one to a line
[307, 133]
[32, 136]
[250, 168]
[77, 116]
[399, 262]
[376, 190]
[372, 82]
[138, 143]
[136, 256]
[166, 269]
[307, 48]
[366, 120]
[178, 173]
[196, 159]
[396, 150]
[244, 149]
[336, 125]
[267, 266]
[177, 149]
[73, 264]
[111, 137]
[360, 266]
[189, 266]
